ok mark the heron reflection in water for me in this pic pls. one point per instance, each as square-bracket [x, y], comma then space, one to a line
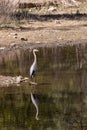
[33, 67]
[34, 100]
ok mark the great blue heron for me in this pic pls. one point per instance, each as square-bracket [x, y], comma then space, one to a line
[33, 67]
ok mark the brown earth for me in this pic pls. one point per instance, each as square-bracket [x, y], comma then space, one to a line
[55, 31]
[48, 25]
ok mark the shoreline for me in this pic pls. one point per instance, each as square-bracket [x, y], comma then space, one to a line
[40, 45]
[37, 33]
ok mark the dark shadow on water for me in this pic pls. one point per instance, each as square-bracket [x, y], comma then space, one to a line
[43, 84]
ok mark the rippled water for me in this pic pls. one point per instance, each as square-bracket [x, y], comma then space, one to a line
[60, 94]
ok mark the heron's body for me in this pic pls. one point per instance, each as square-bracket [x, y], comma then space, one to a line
[33, 67]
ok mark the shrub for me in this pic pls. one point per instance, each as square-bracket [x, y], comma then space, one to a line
[7, 8]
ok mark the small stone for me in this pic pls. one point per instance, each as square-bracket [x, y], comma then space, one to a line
[12, 44]
[57, 22]
[2, 48]
[52, 8]
[24, 39]
[18, 79]
[16, 34]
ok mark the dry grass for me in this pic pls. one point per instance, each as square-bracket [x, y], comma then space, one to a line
[7, 8]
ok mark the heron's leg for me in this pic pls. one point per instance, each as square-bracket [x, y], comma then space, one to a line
[34, 79]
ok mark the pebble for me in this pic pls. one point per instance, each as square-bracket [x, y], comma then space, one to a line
[52, 8]
[2, 48]
[24, 39]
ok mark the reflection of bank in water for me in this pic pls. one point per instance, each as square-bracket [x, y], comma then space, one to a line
[34, 100]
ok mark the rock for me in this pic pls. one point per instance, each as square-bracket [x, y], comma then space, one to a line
[57, 22]
[18, 79]
[16, 37]
[25, 79]
[52, 8]
[8, 80]
[24, 39]
[16, 34]
[12, 44]
[2, 48]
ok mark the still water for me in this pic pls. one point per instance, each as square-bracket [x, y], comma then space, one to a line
[58, 102]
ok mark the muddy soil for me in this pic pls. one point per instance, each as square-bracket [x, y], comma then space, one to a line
[55, 31]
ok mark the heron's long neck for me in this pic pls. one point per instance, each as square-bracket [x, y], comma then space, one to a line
[35, 58]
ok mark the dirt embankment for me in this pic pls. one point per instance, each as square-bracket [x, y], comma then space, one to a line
[55, 31]
[47, 25]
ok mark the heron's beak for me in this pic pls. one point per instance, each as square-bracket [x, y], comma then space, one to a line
[37, 50]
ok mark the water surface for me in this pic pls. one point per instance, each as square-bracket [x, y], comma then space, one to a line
[60, 94]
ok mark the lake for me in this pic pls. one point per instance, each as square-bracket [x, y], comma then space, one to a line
[57, 102]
